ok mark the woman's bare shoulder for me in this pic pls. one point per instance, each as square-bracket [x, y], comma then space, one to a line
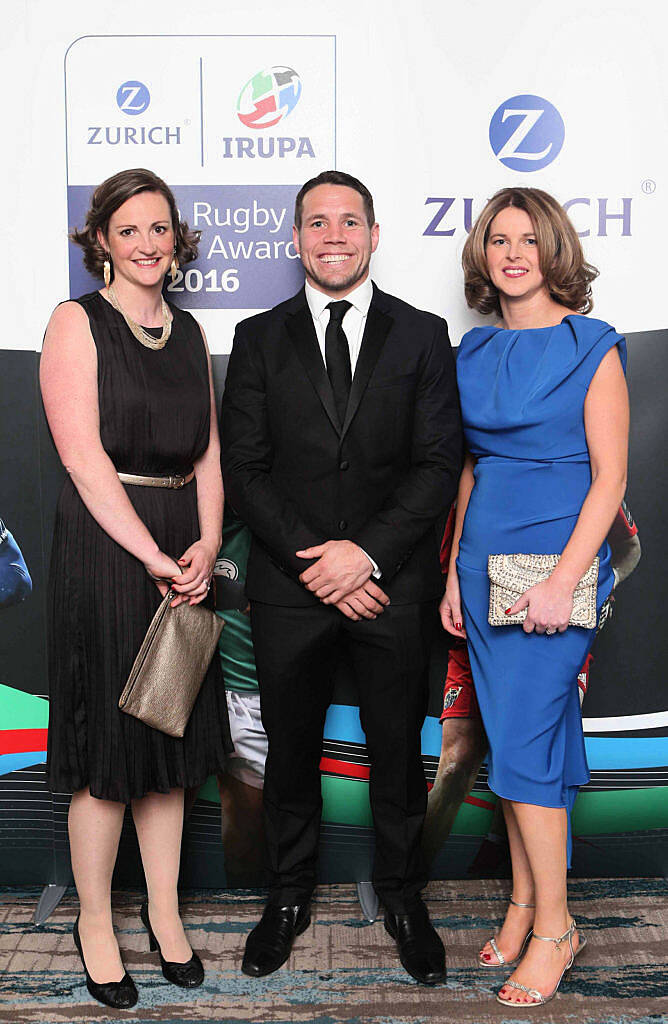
[68, 338]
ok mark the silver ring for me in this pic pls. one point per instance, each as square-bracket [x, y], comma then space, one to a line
[550, 632]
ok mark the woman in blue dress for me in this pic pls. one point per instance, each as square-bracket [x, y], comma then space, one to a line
[545, 412]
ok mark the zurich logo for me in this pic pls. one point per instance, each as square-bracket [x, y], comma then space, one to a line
[268, 97]
[526, 133]
[133, 97]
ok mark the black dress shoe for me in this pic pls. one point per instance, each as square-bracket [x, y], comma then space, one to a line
[420, 948]
[268, 945]
[187, 975]
[120, 995]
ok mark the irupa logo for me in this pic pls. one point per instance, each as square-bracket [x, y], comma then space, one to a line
[266, 99]
[133, 98]
[526, 133]
[267, 147]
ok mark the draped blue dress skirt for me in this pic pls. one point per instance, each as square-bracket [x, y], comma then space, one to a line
[522, 395]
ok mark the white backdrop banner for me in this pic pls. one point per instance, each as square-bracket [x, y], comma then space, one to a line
[434, 107]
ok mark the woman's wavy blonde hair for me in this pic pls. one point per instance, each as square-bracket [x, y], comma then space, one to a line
[567, 274]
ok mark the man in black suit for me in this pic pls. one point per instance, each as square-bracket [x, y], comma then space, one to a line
[341, 450]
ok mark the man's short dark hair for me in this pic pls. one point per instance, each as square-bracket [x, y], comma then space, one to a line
[335, 178]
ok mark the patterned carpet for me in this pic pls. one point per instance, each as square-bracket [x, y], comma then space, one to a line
[342, 970]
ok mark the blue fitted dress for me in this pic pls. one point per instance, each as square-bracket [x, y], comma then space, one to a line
[522, 395]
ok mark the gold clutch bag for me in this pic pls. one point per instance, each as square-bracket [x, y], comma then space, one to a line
[171, 664]
[510, 576]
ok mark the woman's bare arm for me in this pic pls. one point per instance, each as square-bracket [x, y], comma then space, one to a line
[450, 607]
[606, 415]
[199, 559]
[466, 483]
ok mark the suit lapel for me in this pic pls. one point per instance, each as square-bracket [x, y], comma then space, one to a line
[376, 329]
[299, 325]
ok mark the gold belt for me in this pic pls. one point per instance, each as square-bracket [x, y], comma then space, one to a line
[174, 482]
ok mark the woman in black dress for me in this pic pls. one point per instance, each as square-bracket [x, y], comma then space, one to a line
[123, 399]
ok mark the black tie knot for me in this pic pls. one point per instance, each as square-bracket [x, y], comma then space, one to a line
[337, 310]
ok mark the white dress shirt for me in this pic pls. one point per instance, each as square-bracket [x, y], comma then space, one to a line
[353, 322]
[353, 325]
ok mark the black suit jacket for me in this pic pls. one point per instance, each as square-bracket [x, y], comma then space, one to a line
[382, 478]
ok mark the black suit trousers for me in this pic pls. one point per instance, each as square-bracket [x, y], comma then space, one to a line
[295, 652]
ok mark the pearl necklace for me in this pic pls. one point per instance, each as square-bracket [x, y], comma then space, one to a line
[142, 336]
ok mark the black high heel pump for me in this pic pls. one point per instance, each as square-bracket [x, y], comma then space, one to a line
[120, 995]
[187, 975]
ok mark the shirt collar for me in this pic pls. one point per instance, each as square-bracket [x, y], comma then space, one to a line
[359, 297]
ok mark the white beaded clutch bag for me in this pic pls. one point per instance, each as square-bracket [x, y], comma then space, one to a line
[510, 576]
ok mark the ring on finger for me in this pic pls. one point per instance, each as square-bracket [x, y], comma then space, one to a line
[550, 632]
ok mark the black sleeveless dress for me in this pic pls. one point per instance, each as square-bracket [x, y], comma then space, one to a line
[154, 420]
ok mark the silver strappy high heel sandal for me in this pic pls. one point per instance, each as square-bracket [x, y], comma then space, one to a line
[501, 960]
[538, 998]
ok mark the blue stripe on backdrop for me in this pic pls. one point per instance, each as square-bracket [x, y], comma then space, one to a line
[15, 762]
[603, 752]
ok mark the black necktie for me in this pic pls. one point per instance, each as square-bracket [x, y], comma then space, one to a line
[337, 356]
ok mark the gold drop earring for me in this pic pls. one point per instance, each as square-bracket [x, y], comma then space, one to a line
[174, 268]
[106, 271]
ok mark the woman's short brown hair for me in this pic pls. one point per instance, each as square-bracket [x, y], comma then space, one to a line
[108, 197]
[567, 274]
